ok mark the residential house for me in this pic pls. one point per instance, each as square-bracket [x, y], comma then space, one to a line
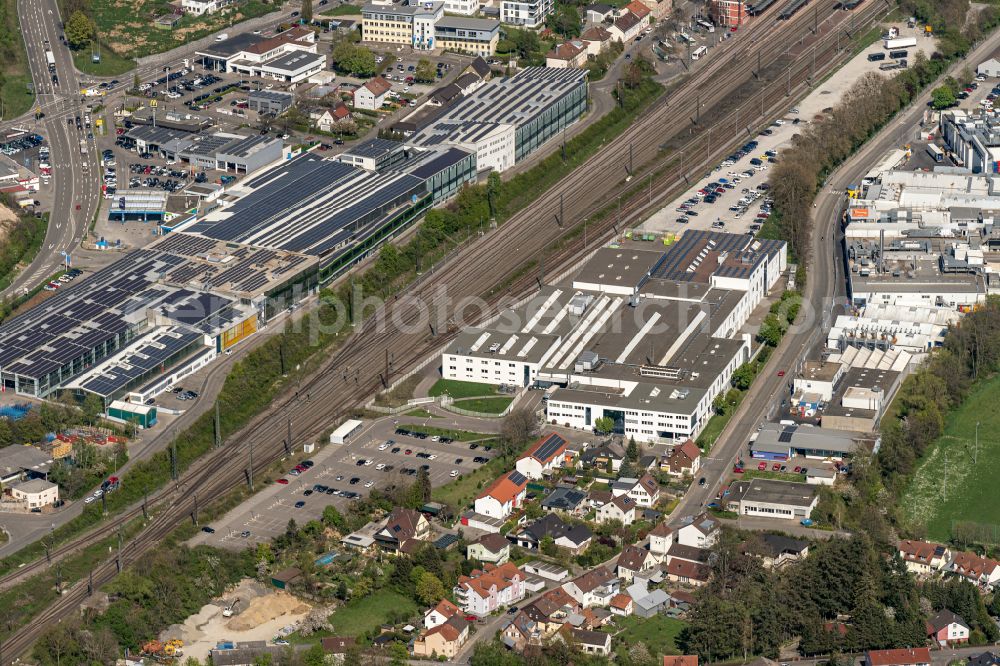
[598, 498]
[628, 26]
[489, 548]
[652, 603]
[592, 642]
[679, 551]
[490, 589]
[595, 588]
[521, 633]
[660, 9]
[923, 558]
[326, 119]
[644, 491]
[687, 572]
[503, 496]
[548, 614]
[701, 532]
[575, 538]
[546, 454]
[633, 560]
[440, 614]
[621, 508]
[401, 525]
[900, 657]
[337, 647]
[622, 604]
[566, 500]
[372, 95]
[598, 13]
[444, 640]
[561, 598]
[597, 40]
[571, 53]
[683, 460]
[776, 550]
[608, 457]
[985, 659]
[981, 571]
[661, 538]
[947, 628]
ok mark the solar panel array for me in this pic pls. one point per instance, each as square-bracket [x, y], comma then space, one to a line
[549, 447]
[141, 360]
[682, 254]
[517, 478]
[78, 319]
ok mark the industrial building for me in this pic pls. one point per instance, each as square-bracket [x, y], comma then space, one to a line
[645, 337]
[273, 102]
[914, 329]
[144, 205]
[337, 212]
[291, 56]
[475, 36]
[973, 139]
[768, 498]
[506, 119]
[783, 442]
[408, 24]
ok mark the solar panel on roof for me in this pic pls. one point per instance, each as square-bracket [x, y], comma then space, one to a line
[549, 446]
[786, 435]
[517, 478]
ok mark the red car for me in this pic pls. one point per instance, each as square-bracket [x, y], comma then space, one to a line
[737, 469]
[471, 618]
[775, 467]
[797, 469]
[283, 482]
[408, 451]
[781, 373]
[720, 190]
[761, 467]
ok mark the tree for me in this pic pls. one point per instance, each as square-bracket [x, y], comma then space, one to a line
[349, 58]
[565, 20]
[943, 98]
[632, 451]
[425, 72]
[548, 546]
[92, 407]
[770, 331]
[79, 30]
[519, 426]
[604, 425]
[314, 656]
[429, 589]
[743, 377]
[307, 10]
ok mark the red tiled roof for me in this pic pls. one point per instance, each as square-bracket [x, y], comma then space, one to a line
[595, 34]
[900, 657]
[566, 51]
[621, 601]
[506, 488]
[685, 569]
[378, 86]
[917, 551]
[632, 558]
[446, 608]
[683, 660]
[637, 8]
[661, 530]
[482, 581]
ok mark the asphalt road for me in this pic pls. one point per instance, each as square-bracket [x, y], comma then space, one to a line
[71, 185]
[824, 290]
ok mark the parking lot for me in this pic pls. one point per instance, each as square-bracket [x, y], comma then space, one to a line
[377, 457]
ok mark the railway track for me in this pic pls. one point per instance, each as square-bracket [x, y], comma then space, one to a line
[525, 236]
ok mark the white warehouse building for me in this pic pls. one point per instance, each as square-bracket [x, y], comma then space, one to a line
[645, 337]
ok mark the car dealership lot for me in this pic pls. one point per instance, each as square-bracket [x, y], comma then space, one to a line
[266, 514]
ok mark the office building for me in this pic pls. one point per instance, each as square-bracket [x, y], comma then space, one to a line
[407, 24]
[525, 14]
[475, 36]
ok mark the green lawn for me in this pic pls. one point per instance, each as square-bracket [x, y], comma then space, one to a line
[971, 492]
[360, 615]
[111, 63]
[658, 633]
[712, 430]
[753, 473]
[343, 10]
[457, 435]
[457, 389]
[462, 490]
[14, 94]
[494, 405]
[422, 413]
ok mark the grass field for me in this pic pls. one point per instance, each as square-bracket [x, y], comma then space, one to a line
[493, 405]
[971, 492]
[461, 491]
[343, 10]
[712, 430]
[457, 389]
[111, 63]
[128, 26]
[14, 94]
[658, 633]
[457, 435]
[360, 615]
[420, 412]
